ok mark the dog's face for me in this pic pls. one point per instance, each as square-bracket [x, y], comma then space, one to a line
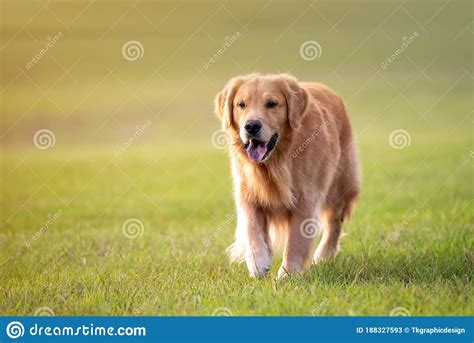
[258, 110]
[260, 114]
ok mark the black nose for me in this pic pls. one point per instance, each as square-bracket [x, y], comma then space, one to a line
[253, 126]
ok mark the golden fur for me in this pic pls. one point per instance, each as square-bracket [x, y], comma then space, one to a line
[311, 177]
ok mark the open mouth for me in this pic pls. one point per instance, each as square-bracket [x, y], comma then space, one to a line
[258, 151]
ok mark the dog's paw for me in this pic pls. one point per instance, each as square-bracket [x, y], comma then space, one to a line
[258, 274]
[258, 264]
[324, 254]
[283, 273]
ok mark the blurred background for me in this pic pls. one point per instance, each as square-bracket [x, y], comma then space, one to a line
[107, 115]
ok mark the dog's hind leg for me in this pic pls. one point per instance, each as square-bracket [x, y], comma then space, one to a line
[339, 203]
[332, 227]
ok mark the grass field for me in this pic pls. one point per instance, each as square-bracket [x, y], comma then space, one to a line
[409, 247]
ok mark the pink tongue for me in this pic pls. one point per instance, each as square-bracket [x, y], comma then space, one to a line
[256, 151]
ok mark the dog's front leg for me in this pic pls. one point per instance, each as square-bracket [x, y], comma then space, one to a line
[302, 229]
[253, 232]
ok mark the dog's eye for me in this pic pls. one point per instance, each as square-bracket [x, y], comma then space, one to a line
[271, 104]
[241, 104]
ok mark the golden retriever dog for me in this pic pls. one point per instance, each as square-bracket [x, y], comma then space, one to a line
[294, 166]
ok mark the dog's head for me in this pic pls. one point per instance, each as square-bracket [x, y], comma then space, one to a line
[259, 110]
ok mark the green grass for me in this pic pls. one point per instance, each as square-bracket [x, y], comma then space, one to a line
[179, 186]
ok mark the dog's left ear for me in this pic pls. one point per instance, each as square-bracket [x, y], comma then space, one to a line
[296, 99]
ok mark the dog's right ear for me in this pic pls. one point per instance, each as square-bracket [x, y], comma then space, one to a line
[224, 101]
[219, 104]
